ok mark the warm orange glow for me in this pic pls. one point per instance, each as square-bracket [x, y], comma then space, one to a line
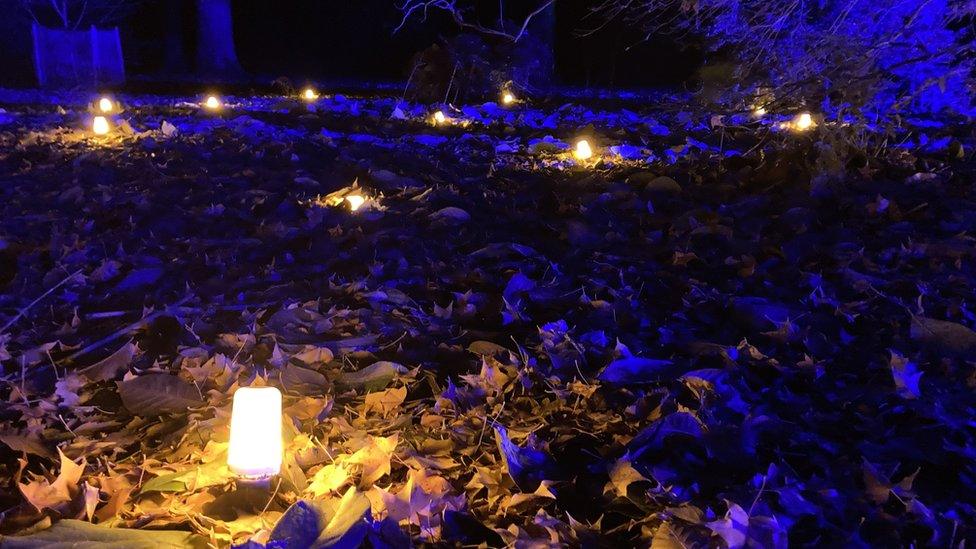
[100, 125]
[212, 102]
[439, 117]
[105, 105]
[355, 201]
[583, 150]
[759, 112]
[310, 94]
[508, 98]
[255, 433]
[803, 122]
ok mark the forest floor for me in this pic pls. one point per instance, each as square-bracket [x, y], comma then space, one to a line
[715, 332]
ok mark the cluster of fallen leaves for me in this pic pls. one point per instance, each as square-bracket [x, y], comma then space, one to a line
[753, 348]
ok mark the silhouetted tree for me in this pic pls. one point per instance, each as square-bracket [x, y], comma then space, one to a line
[539, 19]
[886, 53]
[72, 14]
[512, 46]
[462, 13]
[174, 51]
[216, 54]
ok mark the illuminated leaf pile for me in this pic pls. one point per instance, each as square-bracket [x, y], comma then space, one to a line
[726, 335]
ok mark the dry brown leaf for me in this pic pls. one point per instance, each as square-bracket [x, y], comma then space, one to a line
[385, 402]
[111, 366]
[91, 500]
[622, 475]
[44, 495]
[118, 490]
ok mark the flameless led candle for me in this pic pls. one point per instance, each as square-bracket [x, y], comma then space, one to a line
[310, 94]
[803, 122]
[255, 433]
[439, 117]
[355, 201]
[100, 125]
[508, 98]
[105, 105]
[583, 150]
[759, 112]
[212, 102]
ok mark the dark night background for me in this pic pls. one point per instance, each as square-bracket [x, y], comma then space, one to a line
[355, 40]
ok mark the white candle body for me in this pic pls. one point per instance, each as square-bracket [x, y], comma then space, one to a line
[100, 125]
[583, 150]
[255, 432]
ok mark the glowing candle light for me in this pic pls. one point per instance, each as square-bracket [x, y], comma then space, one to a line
[310, 94]
[759, 112]
[439, 117]
[355, 201]
[100, 125]
[105, 105]
[212, 102]
[255, 433]
[583, 150]
[508, 98]
[803, 122]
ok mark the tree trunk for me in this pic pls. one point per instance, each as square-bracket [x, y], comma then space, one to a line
[215, 39]
[174, 53]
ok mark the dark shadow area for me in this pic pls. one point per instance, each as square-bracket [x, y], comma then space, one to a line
[339, 40]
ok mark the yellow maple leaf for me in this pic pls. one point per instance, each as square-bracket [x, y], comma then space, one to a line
[328, 479]
[306, 408]
[374, 457]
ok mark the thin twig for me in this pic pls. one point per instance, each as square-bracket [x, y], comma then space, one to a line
[127, 330]
[23, 311]
[273, 494]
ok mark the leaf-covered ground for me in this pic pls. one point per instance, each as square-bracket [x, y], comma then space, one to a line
[715, 333]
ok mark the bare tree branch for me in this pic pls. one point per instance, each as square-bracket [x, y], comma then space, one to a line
[72, 14]
[824, 43]
[461, 16]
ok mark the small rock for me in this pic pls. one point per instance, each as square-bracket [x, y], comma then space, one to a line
[641, 178]
[943, 334]
[450, 213]
[663, 184]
